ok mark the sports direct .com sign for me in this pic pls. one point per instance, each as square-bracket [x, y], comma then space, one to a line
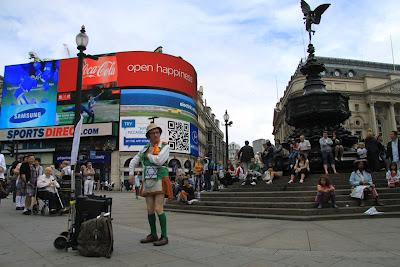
[99, 129]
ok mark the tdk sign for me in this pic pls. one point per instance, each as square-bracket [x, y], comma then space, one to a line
[27, 115]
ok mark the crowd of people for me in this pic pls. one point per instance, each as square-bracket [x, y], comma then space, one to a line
[251, 168]
[34, 187]
[28, 180]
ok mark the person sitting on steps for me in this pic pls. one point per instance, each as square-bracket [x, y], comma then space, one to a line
[301, 168]
[361, 183]
[186, 193]
[275, 170]
[325, 192]
[254, 171]
[392, 176]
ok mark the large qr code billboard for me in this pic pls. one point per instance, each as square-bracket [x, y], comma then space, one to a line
[177, 133]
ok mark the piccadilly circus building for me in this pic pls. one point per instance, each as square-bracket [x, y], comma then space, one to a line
[120, 92]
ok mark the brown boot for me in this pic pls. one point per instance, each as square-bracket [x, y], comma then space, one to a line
[149, 239]
[163, 241]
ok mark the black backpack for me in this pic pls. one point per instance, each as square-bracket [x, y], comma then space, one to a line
[95, 238]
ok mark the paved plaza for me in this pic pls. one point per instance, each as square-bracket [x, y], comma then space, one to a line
[202, 240]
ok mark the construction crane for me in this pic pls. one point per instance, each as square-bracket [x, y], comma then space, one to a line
[67, 50]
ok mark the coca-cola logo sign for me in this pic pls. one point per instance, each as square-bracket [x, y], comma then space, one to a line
[95, 73]
[105, 69]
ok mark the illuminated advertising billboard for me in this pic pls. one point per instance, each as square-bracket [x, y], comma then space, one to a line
[100, 73]
[156, 70]
[131, 69]
[179, 134]
[98, 105]
[160, 103]
[29, 95]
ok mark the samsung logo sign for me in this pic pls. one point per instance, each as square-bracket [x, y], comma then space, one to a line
[27, 115]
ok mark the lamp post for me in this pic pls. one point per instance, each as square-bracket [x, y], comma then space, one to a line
[82, 41]
[227, 123]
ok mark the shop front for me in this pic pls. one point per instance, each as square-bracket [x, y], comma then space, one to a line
[54, 144]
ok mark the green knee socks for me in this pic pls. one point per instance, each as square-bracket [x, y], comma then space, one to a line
[163, 223]
[152, 222]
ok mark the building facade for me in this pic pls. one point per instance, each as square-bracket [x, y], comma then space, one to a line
[373, 89]
[258, 145]
[125, 94]
[233, 151]
[211, 137]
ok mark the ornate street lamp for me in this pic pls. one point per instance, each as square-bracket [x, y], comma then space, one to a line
[82, 41]
[227, 123]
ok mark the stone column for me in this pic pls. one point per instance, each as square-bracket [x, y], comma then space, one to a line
[373, 117]
[393, 125]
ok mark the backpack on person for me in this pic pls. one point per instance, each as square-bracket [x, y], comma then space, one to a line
[95, 238]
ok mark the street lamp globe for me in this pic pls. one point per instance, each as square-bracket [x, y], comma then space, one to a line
[82, 39]
[226, 116]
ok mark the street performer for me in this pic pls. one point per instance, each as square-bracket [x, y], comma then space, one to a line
[155, 182]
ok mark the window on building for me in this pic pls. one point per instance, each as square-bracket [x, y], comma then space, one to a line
[379, 124]
[358, 123]
[359, 134]
[397, 123]
[209, 136]
[356, 107]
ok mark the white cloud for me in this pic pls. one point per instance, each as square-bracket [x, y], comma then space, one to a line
[238, 47]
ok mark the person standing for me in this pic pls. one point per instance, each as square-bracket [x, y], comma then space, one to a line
[337, 144]
[326, 150]
[66, 171]
[198, 173]
[304, 145]
[27, 174]
[393, 149]
[88, 175]
[3, 169]
[372, 146]
[156, 183]
[13, 177]
[20, 186]
[206, 174]
[246, 153]
[267, 155]
[38, 167]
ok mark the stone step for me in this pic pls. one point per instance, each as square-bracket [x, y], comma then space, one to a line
[288, 187]
[290, 217]
[280, 211]
[387, 196]
[288, 193]
[308, 181]
[285, 204]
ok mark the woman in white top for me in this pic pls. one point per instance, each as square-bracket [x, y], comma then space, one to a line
[88, 174]
[47, 187]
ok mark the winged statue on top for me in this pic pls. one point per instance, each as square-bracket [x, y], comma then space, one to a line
[312, 16]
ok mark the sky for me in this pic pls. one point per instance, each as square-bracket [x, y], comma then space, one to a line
[244, 52]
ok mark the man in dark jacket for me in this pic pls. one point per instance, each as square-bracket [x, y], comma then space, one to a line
[393, 149]
[245, 155]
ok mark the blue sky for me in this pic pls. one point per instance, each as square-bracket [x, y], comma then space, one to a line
[239, 48]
